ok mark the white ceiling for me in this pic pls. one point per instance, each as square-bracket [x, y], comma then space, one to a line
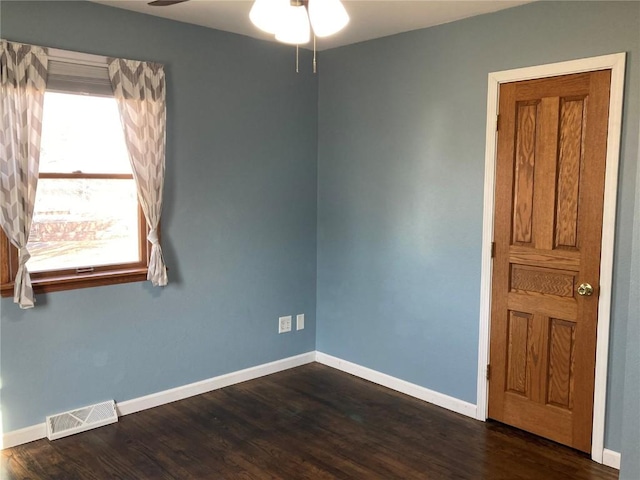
[369, 18]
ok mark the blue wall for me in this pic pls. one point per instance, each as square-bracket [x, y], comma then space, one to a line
[400, 172]
[630, 469]
[239, 223]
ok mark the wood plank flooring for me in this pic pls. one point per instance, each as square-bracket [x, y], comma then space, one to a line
[311, 422]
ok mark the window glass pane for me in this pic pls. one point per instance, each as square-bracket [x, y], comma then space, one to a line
[82, 133]
[83, 223]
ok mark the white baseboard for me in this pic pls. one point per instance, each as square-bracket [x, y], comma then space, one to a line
[197, 388]
[24, 435]
[36, 432]
[411, 389]
[611, 458]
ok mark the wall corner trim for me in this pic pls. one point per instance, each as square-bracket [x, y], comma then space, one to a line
[39, 431]
[611, 458]
[402, 386]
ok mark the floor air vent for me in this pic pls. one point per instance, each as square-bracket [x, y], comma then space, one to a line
[82, 419]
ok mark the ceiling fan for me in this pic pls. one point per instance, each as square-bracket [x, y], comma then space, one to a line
[292, 21]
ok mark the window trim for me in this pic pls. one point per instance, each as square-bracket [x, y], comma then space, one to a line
[71, 279]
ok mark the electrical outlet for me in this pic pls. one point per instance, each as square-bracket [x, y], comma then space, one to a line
[300, 321]
[284, 324]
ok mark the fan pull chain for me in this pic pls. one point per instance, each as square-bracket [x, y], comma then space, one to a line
[297, 59]
[315, 63]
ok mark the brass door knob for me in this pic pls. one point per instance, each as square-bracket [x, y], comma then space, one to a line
[585, 290]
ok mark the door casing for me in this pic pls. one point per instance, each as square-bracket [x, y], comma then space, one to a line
[615, 62]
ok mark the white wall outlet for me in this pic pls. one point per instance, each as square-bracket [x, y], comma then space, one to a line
[300, 321]
[284, 324]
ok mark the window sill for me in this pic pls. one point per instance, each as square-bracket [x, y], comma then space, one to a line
[80, 280]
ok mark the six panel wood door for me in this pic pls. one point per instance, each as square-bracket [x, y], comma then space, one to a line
[548, 229]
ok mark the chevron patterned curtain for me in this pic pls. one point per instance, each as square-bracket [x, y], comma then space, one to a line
[23, 76]
[139, 89]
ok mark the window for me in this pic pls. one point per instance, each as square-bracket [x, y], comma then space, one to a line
[88, 228]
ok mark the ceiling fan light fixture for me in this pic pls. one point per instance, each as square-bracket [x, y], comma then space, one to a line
[267, 14]
[292, 20]
[294, 26]
[327, 17]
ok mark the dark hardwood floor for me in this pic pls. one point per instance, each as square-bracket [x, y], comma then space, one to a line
[311, 422]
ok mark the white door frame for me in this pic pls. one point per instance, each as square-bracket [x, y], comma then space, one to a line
[615, 62]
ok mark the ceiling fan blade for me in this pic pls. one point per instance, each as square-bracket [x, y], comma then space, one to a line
[165, 3]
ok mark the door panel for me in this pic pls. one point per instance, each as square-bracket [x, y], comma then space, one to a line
[548, 231]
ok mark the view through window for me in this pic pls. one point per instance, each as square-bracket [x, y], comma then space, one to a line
[86, 211]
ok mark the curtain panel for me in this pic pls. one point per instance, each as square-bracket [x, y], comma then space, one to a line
[23, 76]
[140, 91]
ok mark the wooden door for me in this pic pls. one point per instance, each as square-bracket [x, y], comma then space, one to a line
[549, 193]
